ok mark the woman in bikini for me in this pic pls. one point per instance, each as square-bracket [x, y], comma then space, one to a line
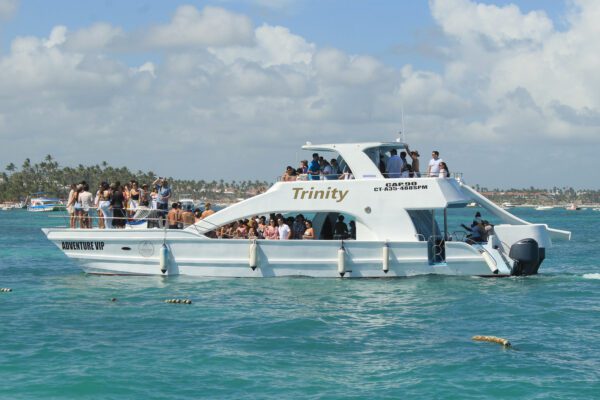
[309, 233]
[271, 231]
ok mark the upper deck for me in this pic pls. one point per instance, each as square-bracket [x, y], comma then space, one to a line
[362, 158]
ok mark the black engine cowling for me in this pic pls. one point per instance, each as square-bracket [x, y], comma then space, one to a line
[528, 257]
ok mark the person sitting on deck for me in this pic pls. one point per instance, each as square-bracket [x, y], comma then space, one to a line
[477, 234]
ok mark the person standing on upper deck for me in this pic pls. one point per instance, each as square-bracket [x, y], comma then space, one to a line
[394, 165]
[164, 194]
[414, 155]
[314, 168]
[433, 169]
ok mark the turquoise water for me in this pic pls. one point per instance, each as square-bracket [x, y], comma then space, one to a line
[62, 337]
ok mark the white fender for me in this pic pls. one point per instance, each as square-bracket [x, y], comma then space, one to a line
[341, 261]
[164, 258]
[386, 258]
[253, 255]
[490, 262]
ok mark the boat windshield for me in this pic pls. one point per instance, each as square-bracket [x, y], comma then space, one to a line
[380, 155]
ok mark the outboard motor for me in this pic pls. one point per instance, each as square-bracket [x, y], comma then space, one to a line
[528, 257]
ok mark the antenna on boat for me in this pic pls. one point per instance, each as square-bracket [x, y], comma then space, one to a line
[402, 132]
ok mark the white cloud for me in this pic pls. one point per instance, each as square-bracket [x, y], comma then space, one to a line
[210, 27]
[274, 45]
[224, 93]
[57, 36]
[502, 26]
[97, 37]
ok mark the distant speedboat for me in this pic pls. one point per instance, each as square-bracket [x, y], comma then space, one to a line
[544, 208]
[572, 207]
[45, 204]
[508, 205]
[187, 203]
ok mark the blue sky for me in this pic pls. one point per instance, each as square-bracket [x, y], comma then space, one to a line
[485, 82]
[389, 30]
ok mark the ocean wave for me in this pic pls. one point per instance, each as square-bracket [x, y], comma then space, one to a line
[591, 276]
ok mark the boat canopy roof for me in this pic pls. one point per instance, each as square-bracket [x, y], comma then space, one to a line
[360, 146]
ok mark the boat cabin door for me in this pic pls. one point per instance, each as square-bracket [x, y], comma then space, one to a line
[436, 244]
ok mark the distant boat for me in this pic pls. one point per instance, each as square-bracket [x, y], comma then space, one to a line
[45, 204]
[544, 208]
[187, 202]
[596, 209]
[572, 207]
[508, 205]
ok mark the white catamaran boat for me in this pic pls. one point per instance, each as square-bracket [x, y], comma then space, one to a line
[401, 230]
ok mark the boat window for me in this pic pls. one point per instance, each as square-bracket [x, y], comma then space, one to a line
[379, 155]
[326, 226]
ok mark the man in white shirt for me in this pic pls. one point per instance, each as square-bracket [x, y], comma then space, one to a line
[284, 231]
[394, 165]
[434, 164]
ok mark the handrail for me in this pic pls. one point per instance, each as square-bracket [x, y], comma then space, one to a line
[305, 177]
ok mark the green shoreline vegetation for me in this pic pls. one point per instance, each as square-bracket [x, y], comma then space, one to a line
[49, 177]
[54, 180]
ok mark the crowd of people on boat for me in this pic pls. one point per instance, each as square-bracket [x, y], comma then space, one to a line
[396, 166]
[279, 227]
[116, 202]
[319, 168]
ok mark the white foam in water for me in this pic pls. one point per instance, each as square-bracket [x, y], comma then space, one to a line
[591, 276]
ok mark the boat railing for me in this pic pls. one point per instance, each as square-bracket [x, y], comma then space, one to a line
[306, 177]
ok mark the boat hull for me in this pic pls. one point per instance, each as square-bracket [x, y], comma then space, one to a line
[119, 252]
